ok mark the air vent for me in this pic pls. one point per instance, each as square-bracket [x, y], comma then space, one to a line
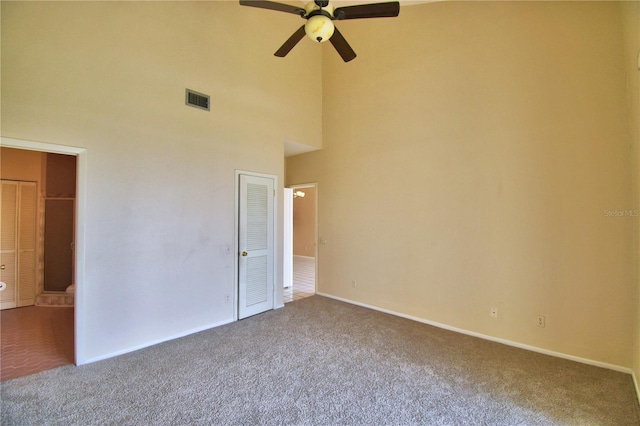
[197, 100]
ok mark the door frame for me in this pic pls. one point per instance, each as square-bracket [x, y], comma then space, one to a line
[277, 249]
[313, 185]
[79, 242]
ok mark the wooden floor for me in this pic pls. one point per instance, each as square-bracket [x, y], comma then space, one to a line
[35, 338]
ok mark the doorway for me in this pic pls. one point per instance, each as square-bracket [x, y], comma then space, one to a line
[78, 156]
[37, 320]
[59, 217]
[303, 254]
[38, 210]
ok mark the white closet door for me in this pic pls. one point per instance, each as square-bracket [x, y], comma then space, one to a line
[257, 246]
[18, 244]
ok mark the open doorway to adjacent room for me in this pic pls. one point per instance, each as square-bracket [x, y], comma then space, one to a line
[38, 260]
[302, 255]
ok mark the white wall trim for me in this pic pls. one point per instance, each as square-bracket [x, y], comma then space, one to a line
[80, 248]
[491, 338]
[155, 342]
[41, 146]
[303, 257]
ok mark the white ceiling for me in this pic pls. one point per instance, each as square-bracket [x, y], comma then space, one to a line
[295, 148]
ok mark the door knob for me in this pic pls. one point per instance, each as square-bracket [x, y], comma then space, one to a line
[2, 267]
[244, 253]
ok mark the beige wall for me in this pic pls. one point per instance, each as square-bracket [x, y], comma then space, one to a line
[631, 27]
[470, 154]
[17, 164]
[110, 77]
[511, 120]
[304, 223]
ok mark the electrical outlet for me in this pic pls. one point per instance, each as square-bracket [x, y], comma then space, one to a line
[354, 283]
[540, 320]
[494, 312]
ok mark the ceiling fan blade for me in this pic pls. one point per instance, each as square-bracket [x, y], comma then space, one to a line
[341, 45]
[271, 5]
[376, 10]
[290, 44]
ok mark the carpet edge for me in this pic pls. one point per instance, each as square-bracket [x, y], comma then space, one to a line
[507, 342]
[156, 342]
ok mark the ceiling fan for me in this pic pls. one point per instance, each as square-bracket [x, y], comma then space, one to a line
[319, 26]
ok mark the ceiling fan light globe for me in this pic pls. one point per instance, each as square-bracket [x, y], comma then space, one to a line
[319, 28]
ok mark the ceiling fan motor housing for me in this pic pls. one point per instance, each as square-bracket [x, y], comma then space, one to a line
[312, 8]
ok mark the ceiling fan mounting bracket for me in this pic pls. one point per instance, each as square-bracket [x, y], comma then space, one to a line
[322, 3]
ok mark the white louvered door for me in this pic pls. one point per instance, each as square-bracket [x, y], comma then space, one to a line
[18, 244]
[256, 246]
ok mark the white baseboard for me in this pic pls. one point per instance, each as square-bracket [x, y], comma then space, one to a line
[155, 342]
[493, 339]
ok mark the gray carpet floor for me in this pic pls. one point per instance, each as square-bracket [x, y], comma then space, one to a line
[318, 361]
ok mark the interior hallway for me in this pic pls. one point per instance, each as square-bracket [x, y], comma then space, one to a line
[35, 338]
[304, 279]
